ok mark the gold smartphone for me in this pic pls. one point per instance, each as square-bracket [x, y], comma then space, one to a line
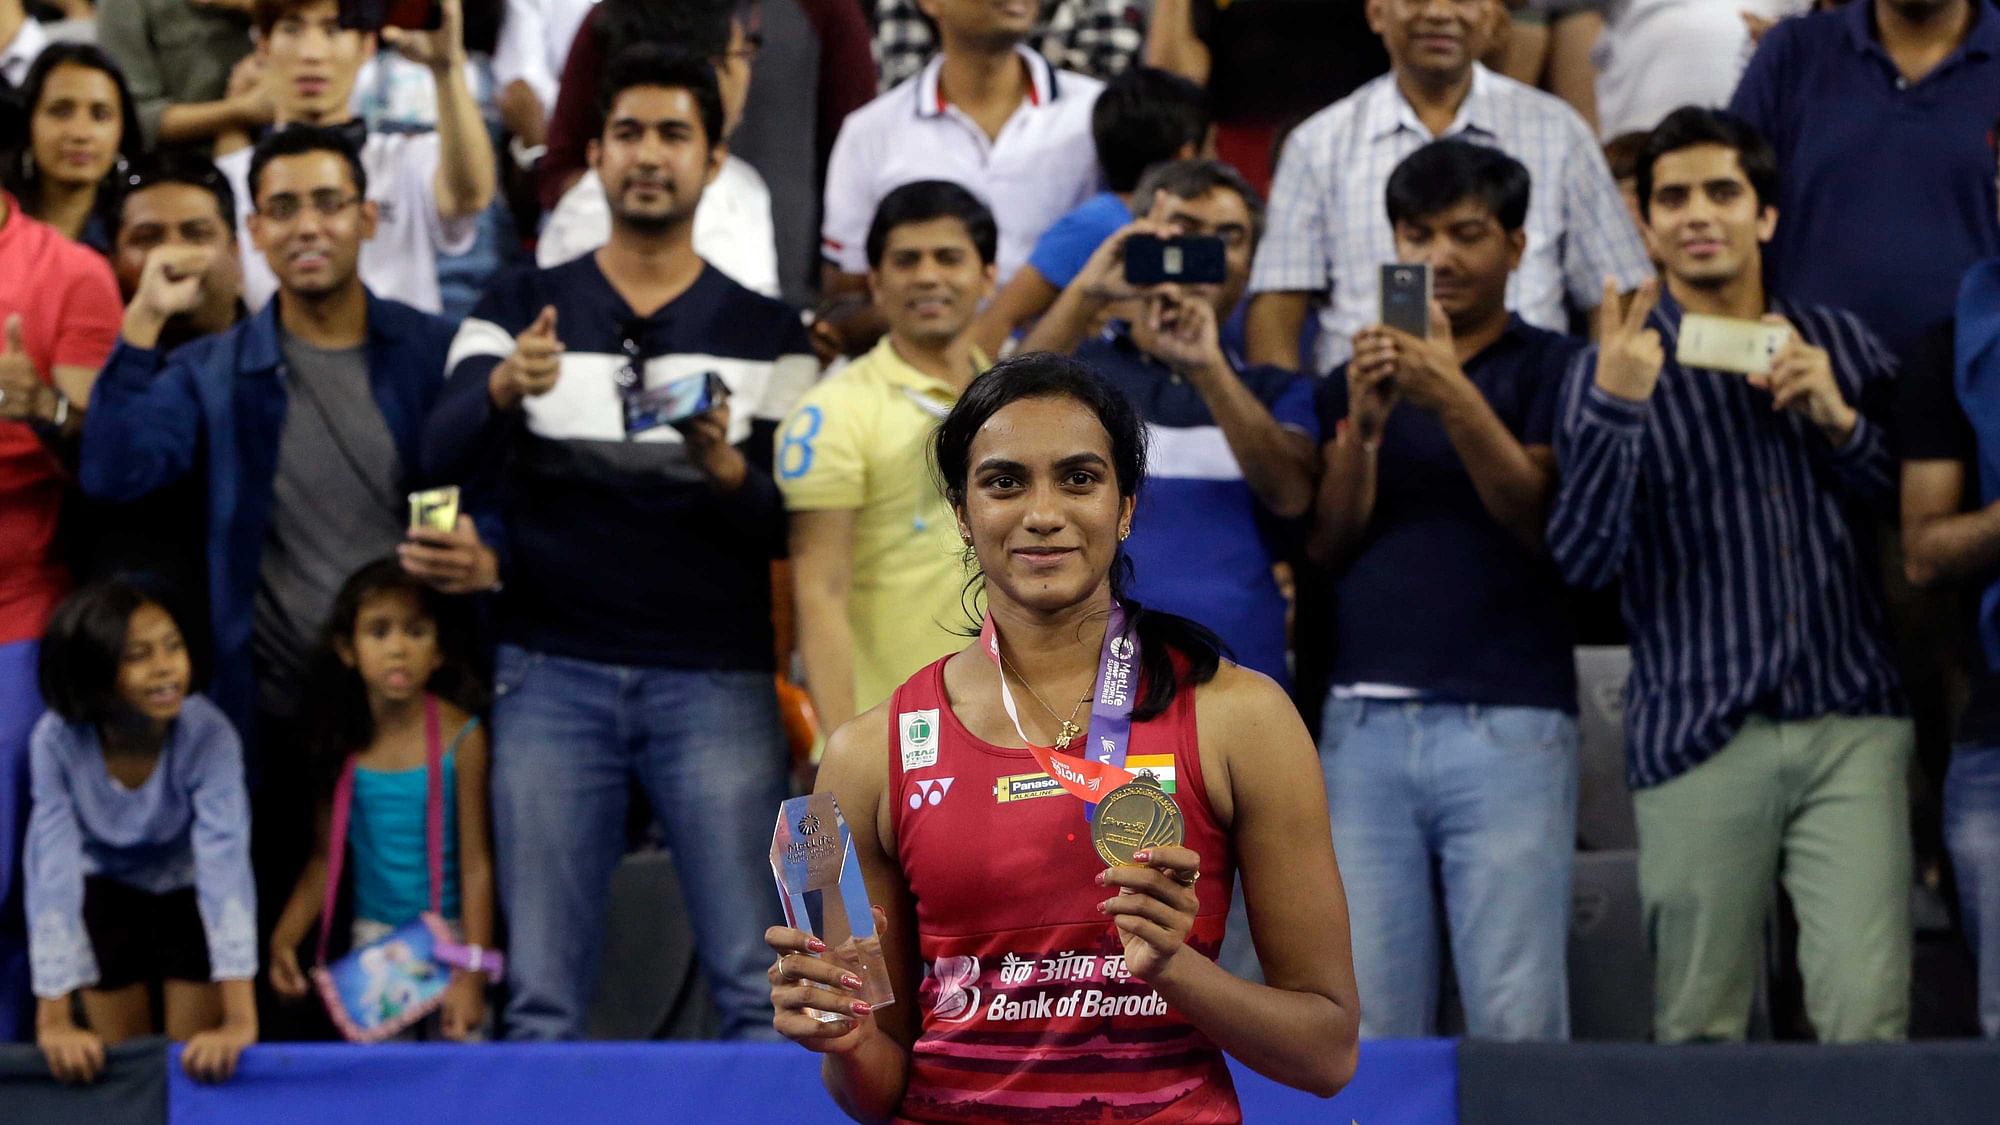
[1722, 343]
[434, 509]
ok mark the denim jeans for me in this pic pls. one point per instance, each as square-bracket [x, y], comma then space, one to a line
[1972, 832]
[705, 746]
[20, 707]
[1485, 797]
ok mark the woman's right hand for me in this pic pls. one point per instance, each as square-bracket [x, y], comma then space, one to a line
[796, 978]
[74, 1055]
[287, 979]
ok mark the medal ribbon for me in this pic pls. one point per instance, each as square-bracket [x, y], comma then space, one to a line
[1088, 777]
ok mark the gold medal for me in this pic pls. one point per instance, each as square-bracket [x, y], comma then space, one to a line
[1133, 817]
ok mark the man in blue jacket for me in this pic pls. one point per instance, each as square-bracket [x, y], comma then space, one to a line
[303, 421]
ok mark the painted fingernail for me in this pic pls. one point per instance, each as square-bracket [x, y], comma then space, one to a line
[850, 981]
[815, 945]
[860, 1008]
[1103, 878]
[1142, 856]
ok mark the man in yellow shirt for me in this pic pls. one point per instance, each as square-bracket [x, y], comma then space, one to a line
[877, 567]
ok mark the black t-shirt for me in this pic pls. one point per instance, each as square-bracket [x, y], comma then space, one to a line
[1439, 598]
[1280, 60]
[1932, 427]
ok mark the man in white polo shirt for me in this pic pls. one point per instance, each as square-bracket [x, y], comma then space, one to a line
[987, 113]
[429, 187]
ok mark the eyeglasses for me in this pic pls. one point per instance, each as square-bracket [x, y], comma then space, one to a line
[326, 201]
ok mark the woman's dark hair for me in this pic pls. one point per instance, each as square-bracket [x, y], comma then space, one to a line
[20, 175]
[924, 200]
[338, 720]
[1691, 126]
[1044, 375]
[84, 648]
[1446, 173]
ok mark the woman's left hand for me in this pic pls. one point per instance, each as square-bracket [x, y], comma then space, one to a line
[464, 1006]
[1154, 908]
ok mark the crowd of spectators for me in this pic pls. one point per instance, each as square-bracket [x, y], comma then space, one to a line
[264, 275]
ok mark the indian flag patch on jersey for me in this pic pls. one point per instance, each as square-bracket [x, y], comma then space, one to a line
[1159, 766]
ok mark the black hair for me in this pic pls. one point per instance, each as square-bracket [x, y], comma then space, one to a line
[698, 27]
[1690, 126]
[650, 64]
[1046, 375]
[177, 166]
[924, 200]
[297, 140]
[1192, 179]
[1622, 153]
[20, 176]
[339, 722]
[1444, 173]
[84, 648]
[1142, 117]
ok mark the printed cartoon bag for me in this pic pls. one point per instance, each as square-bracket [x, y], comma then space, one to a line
[389, 984]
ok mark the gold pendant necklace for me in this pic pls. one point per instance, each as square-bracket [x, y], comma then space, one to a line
[1069, 730]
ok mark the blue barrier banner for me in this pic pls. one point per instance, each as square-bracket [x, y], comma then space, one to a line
[1407, 1083]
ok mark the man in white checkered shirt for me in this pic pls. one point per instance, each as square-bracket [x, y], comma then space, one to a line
[1326, 234]
[1100, 38]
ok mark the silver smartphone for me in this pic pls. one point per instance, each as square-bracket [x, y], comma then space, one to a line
[1406, 298]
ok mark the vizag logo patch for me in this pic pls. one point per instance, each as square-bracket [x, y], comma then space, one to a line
[917, 732]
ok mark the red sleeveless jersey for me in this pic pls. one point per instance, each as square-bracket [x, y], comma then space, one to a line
[1029, 1012]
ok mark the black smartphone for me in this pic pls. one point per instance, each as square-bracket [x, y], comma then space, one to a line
[1406, 298]
[1190, 259]
[674, 402]
[374, 15]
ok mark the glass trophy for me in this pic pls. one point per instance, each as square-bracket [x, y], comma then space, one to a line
[819, 882]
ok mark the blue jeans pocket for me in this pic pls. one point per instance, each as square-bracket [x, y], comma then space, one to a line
[1528, 730]
[511, 666]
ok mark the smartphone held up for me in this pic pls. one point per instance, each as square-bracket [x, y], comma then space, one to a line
[1406, 298]
[1185, 260]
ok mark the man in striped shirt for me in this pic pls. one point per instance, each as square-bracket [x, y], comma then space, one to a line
[1764, 719]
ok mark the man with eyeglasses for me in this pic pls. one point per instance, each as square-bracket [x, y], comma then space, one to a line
[1233, 446]
[428, 188]
[613, 418]
[303, 422]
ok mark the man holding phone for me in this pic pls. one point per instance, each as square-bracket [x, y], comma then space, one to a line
[1450, 735]
[1233, 445]
[1765, 728]
[428, 188]
[635, 620]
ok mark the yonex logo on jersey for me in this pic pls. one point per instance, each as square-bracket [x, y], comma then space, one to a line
[918, 732]
[931, 792]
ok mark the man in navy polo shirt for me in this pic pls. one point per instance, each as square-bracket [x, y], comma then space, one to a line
[1878, 112]
[1450, 738]
[1232, 453]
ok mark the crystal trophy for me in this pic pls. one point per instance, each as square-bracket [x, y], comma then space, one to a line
[820, 884]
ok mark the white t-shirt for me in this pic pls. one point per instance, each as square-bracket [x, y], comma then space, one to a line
[1043, 163]
[732, 226]
[20, 52]
[534, 45]
[400, 262]
[1656, 56]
